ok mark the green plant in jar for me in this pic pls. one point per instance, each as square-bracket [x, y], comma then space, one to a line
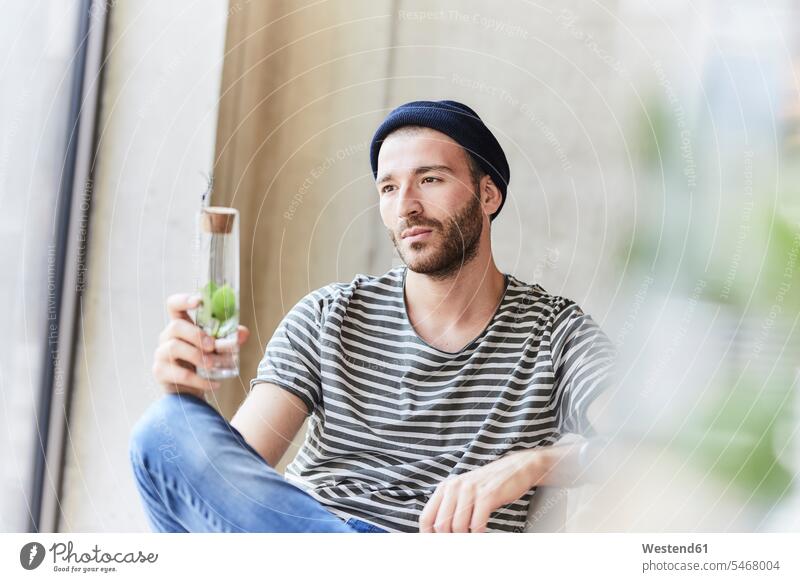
[218, 314]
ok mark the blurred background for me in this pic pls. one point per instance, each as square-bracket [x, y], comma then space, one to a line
[654, 150]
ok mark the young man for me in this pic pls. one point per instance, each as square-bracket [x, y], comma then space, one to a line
[435, 391]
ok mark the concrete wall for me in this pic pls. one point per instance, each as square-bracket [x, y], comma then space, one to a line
[158, 123]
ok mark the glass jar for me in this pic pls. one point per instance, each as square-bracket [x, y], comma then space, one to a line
[218, 285]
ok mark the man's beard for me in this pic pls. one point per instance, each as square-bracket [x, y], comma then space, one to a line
[461, 236]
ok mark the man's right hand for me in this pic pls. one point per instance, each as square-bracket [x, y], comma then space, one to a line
[182, 347]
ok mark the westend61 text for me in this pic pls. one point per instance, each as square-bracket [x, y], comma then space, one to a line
[670, 549]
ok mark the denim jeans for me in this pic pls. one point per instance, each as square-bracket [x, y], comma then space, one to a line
[196, 473]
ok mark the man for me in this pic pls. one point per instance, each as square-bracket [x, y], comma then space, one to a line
[435, 391]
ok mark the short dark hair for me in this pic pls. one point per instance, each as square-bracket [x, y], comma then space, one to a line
[476, 171]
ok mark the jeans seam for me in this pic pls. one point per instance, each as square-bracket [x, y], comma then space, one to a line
[368, 527]
[145, 478]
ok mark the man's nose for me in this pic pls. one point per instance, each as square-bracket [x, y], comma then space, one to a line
[409, 202]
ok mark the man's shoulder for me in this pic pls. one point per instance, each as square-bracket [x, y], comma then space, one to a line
[567, 318]
[537, 298]
[561, 311]
[386, 284]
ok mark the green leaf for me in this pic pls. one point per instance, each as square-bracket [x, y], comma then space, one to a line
[223, 303]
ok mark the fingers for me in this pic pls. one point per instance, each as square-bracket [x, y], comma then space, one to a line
[231, 344]
[462, 516]
[175, 376]
[184, 347]
[176, 362]
[444, 517]
[176, 349]
[430, 510]
[456, 507]
[179, 304]
[480, 515]
[188, 332]
[437, 516]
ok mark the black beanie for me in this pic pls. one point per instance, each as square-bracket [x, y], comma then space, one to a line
[459, 122]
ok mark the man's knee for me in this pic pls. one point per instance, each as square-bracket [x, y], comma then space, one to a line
[166, 428]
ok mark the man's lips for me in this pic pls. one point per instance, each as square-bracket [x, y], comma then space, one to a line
[416, 233]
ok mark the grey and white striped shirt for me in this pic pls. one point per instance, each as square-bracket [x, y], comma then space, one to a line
[392, 416]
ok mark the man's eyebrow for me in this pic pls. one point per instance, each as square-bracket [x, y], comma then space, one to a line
[417, 171]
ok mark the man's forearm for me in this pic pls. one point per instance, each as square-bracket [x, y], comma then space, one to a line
[555, 466]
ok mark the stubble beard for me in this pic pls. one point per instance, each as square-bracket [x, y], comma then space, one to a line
[460, 239]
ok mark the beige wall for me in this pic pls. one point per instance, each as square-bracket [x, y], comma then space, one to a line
[302, 89]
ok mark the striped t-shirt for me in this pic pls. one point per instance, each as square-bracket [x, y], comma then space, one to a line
[392, 416]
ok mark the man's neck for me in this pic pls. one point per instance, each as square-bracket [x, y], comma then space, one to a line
[467, 298]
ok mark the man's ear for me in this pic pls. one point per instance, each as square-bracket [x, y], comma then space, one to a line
[491, 198]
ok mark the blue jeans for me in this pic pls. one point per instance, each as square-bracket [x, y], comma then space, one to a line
[196, 473]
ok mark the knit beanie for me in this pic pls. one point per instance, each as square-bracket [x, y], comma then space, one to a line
[459, 122]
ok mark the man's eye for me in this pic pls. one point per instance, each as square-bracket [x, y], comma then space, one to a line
[430, 178]
[386, 189]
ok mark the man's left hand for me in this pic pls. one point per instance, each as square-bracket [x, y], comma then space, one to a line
[463, 503]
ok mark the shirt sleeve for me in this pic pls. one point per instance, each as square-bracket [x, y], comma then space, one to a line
[292, 356]
[583, 362]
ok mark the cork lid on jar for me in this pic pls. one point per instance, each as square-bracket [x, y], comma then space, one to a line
[217, 219]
